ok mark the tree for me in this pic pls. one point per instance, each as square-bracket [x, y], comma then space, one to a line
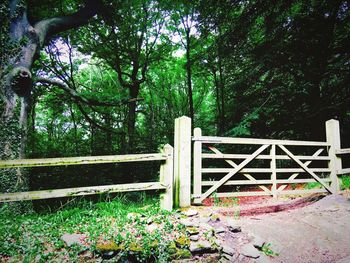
[131, 37]
[22, 37]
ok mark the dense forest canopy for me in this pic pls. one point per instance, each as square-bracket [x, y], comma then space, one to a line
[109, 77]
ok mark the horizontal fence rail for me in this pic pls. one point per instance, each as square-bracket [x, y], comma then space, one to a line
[82, 160]
[341, 152]
[229, 140]
[165, 181]
[80, 191]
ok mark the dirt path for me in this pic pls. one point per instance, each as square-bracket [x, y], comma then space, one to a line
[319, 232]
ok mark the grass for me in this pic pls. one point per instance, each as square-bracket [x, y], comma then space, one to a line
[118, 225]
[344, 183]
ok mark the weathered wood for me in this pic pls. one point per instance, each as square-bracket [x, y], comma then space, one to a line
[301, 181]
[305, 168]
[262, 157]
[238, 182]
[333, 138]
[234, 165]
[167, 178]
[263, 170]
[344, 171]
[79, 191]
[301, 192]
[237, 194]
[197, 166]
[293, 176]
[260, 182]
[233, 172]
[182, 162]
[82, 160]
[229, 140]
[342, 151]
[273, 168]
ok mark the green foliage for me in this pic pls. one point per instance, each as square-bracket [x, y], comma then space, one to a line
[116, 225]
[266, 249]
[345, 182]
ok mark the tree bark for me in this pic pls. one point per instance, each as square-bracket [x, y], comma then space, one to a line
[16, 85]
[189, 74]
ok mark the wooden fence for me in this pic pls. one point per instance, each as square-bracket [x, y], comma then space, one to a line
[165, 182]
[259, 167]
[264, 164]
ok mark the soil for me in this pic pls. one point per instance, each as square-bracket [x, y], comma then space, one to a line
[306, 229]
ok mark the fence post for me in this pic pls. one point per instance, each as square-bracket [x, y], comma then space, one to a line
[333, 138]
[182, 162]
[273, 170]
[167, 178]
[197, 166]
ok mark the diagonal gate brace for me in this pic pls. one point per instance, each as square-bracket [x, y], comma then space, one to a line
[233, 172]
[305, 168]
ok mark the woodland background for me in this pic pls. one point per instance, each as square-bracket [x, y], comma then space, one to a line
[266, 69]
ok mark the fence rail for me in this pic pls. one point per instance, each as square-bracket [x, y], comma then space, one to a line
[83, 160]
[165, 183]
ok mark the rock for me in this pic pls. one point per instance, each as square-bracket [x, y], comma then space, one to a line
[71, 239]
[204, 219]
[220, 230]
[249, 251]
[194, 237]
[205, 226]
[233, 226]
[189, 223]
[108, 254]
[215, 218]
[228, 250]
[200, 247]
[192, 231]
[258, 242]
[181, 254]
[190, 212]
[182, 242]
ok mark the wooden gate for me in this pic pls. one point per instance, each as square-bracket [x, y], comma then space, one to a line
[230, 167]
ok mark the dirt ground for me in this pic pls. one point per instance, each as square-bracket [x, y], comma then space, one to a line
[312, 229]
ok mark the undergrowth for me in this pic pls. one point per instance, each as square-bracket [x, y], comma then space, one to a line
[120, 224]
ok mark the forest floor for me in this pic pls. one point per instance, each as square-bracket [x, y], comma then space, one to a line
[305, 229]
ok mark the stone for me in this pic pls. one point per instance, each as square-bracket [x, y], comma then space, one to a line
[226, 249]
[220, 230]
[71, 239]
[214, 218]
[194, 237]
[204, 219]
[258, 242]
[182, 242]
[249, 251]
[192, 231]
[200, 247]
[233, 226]
[189, 223]
[190, 212]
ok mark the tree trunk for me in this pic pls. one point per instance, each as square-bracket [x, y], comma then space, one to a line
[189, 75]
[134, 92]
[23, 45]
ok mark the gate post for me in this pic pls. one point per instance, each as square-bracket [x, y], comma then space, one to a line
[182, 162]
[197, 166]
[167, 178]
[333, 138]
